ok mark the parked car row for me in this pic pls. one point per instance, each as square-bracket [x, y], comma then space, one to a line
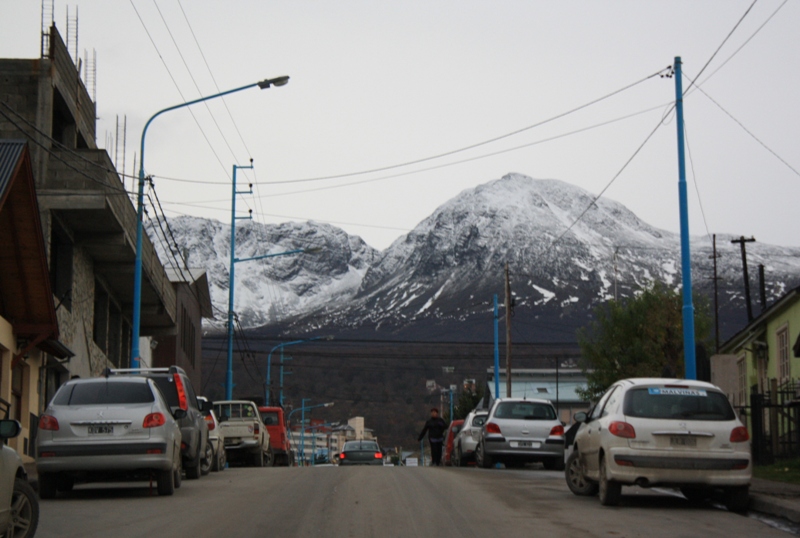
[647, 432]
[145, 423]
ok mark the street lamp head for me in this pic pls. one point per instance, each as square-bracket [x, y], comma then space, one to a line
[279, 81]
[329, 404]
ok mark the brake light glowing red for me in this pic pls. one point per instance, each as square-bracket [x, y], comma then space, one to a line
[342, 456]
[48, 422]
[378, 456]
[154, 420]
[557, 431]
[491, 427]
[739, 435]
[210, 422]
[622, 429]
[181, 392]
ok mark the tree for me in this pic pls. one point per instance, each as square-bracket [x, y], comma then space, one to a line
[467, 400]
[640, 336]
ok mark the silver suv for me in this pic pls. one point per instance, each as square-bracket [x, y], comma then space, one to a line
[19, 507]
[519, 431]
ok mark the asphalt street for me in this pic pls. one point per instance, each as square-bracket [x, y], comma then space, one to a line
[381, 501]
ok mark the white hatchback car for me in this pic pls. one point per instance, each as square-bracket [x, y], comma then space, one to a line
[662, 432]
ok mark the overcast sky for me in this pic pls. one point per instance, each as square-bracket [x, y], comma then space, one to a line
[378, 83]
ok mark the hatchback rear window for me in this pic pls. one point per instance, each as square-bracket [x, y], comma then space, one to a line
[677, 404]
[525, 411]
[167, 386]
[105, 393]
[360, 445]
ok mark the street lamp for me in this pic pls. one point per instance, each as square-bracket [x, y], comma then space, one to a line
[303, 409]
[137, 271]
[269, 361]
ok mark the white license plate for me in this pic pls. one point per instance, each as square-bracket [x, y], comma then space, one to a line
[525, 444]
[680, 440]
[101, 430]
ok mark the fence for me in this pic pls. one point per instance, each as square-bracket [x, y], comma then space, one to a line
[774, 419]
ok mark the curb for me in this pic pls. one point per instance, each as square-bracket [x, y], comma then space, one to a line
[775, 506]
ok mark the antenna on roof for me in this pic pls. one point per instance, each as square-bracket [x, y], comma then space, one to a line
[72, 35]
[47, 22]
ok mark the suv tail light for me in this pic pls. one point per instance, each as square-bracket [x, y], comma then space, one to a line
[622, 429]
[48, 422]
[738, 435]
[491, 427]
[154, 420]
[181, 392]
[210, 422]
[378, 456]
[557, 431]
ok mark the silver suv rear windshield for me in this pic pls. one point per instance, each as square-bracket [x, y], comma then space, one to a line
[525, 411]
[104, 393]
[677, 403]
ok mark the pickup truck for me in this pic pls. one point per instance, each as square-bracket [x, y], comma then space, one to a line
[246, 439]
[273, 419]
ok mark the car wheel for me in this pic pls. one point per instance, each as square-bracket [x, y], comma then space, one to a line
[577, 482]
[166, 482]
[737, 499]
[484, 460]
[258, 459]
[48, 485]
[223, 459]
[24, 510]
[697, 495]
[193, 471]
[207, 459]
[269, 460]
[610, 491]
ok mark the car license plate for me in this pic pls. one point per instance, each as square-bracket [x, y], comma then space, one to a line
[680, 440]
[525, 444]
[101, 430]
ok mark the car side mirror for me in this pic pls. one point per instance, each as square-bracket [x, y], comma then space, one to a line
[9, 429]
[581, 417]
[178, 414]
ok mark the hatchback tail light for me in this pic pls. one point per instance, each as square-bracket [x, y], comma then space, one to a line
[256, 431]
[557, 431]
[491, 427]
[182, 402]
[342, 456]
[622, 429]
[48, 422]
[738, 435]
[378, 456]
[210, 422]
[154, 420]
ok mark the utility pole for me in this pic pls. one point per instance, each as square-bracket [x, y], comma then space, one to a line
[496, 350]
[742, 242]
[508, 334]
[762, 287]
[716, 295]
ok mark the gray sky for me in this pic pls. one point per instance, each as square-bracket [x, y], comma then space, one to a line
[374, 84]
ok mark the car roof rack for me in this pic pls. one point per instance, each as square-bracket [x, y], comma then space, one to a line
[171, 370]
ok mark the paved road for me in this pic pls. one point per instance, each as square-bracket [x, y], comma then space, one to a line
[386, 502]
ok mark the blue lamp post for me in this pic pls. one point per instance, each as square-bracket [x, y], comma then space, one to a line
[303, 409]
[137, 271]
[267, 392]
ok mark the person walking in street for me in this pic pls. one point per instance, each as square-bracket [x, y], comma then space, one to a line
[435, 427]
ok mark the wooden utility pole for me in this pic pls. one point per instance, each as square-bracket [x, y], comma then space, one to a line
[716, 298]
[742, 242]
[508, 335]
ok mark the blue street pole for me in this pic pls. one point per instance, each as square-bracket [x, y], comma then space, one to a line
[496, 350]
[451, 405]
[303, 419]
[137, 269]
[280, 399]
[268, 388]
[686, 259]
[231, 279]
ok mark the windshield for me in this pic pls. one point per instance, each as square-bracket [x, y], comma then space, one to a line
[525, 411]
[104, 393]
[360, 445]
[677, 403]
[269, 418]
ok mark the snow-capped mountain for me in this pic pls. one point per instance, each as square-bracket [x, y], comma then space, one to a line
[271, 289]
[439, 279]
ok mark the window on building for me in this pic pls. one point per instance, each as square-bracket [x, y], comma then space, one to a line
[784, 366]
[100, 316]
[16, 393]
[741, 370]
[61, 256]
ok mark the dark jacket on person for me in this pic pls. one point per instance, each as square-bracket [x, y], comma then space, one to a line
[435, 427]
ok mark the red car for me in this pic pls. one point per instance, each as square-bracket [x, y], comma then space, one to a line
[452, 431]
[273, 419]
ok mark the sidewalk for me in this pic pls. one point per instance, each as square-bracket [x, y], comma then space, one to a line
[775, 498]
